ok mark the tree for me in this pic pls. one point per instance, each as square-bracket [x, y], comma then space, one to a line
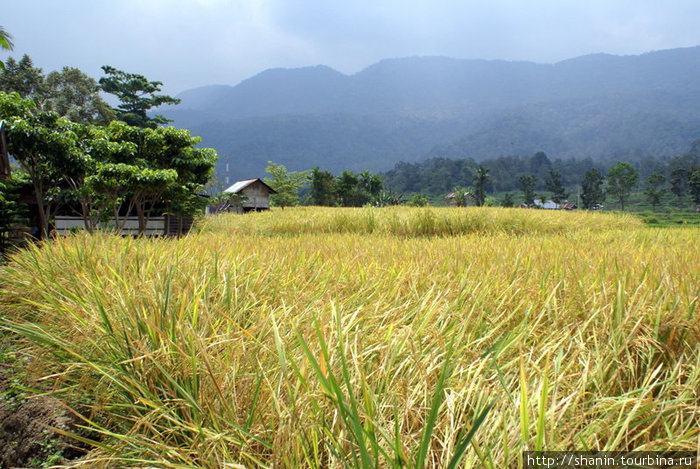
[285, 183]
[349, 191]
[527, 186]
[417, 200]
[76, 96]
[88, 188]
[70, 92]
[137, 96]
[592, 192]
[694, 185]
[5, 43]
[679, 181]
[540, 165]
[654, 191]
[507, 200]
[165, 168]
[323, 188]
[555, 185]
[23, 78]
[44, 146]
[622, 178]
[370, 184]
[481, 180]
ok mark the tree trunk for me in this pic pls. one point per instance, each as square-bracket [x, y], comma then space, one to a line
[87, 218]
[142, 219]
[43, 221]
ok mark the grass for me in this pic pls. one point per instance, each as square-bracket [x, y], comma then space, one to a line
[670, 219]
[369, 337]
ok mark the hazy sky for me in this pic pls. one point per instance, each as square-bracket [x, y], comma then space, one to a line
[189, 43]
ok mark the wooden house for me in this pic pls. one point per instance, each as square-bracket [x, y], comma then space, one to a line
[253, 195]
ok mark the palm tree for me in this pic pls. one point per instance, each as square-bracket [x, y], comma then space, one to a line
[5, 43]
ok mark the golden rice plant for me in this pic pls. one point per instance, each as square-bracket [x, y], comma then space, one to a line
[408, 221]
[327, 338]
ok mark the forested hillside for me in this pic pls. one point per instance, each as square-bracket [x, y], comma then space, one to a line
[599, 106]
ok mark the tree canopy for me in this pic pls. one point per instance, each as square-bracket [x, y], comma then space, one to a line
[69, 92]
[137, 95]
[105, 171]
[285, 183]
[592, 193]
[621, 179]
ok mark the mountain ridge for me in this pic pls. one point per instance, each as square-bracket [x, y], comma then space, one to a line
[414, 107]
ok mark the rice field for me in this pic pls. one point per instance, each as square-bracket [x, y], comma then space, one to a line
[397, 337]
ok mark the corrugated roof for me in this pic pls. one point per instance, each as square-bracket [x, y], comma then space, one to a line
[240, 185]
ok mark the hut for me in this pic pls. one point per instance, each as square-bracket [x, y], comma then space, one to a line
[253, 195]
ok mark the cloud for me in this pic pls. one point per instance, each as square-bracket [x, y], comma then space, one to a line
[187, 43]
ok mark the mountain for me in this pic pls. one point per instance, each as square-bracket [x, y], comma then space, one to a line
[600, 106]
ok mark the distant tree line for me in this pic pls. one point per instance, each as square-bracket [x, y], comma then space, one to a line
[538, 176]
[523, 179]
[78, 153]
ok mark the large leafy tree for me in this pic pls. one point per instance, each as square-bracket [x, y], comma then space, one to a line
[592, 192]
[622, 178]
[89, 186]
[70, 92]
[285, 183]
[44, 146]
[76, 96]
[137, 95]
[165, 168]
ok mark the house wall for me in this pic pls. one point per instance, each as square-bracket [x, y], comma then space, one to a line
[257, 195]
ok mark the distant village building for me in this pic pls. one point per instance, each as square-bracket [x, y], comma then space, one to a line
[551, 205]
[253, 195]
[546, 204]
[453, 199]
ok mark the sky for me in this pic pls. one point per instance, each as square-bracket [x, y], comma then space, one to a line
[191, 43]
